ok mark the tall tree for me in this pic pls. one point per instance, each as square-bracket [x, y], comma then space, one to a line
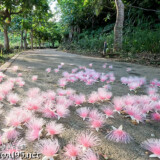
[118, 29]
[8, 8]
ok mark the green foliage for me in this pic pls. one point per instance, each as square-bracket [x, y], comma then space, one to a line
[5, 57]
[96, 19]
[14, 39]
[140, 40]
[91, 40]
[85, 24]
[136, 41]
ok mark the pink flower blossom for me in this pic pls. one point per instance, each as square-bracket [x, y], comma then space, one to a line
[62, 82]
[152, 145]
[34, 129]
[51, 95]
[83, 112]
[79, 99]
[118, 135]
[33, 92]
[135, 113]
[90, 64]
[54, 128]
[56, 70]
[34, 78]
[94, 114]
[108, 112]
[103, 94]
[33, 103]
[61, 111]
[10, 134]
[93, 97]
[128, 69]
[97, 123]
[156, 116]
[71, 151]
[15, 68]
[48, 111]
[89, 155]
[19, 74]
[48, 70]
[104, 65]
[13, 98]
[48, 148]
[118, 104]
[87, 140]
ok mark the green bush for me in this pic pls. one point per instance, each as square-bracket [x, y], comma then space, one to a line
[135, 40]
[138, 41]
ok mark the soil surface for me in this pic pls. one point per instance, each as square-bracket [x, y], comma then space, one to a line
[35, 63]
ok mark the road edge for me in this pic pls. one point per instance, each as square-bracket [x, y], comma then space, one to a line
[7, 64]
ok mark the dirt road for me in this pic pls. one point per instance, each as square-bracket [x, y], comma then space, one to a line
[35, 63]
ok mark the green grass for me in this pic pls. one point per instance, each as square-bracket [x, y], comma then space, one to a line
[6, 57]
[14, 41]
[138, 40]
[135, 41]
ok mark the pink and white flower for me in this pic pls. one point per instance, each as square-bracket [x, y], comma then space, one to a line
[118, 135]
[152, 145]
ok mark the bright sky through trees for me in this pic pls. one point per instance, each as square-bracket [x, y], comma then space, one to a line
[55, 10]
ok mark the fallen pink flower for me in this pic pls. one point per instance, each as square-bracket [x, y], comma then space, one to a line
[108, 112]
[34, 78]
[118, 135]
[128, 69]
[71, 151]
[87, 140]
[19, 74]
[10, 134]
[62, 82]
[89, 155]
[93, 97]
[79, 99]
[83, 112]
[54, 128]
[152, 145]
[97, 123]
[118, 104]
[48, 148]
[48, 70]
[15, 68]
[155, 116]
[33, 92]
[94, 114]
[61, 111]
[56, 70]
[90, 64]
[13, 98]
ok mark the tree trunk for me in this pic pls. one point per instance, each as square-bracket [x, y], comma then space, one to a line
[39, 44]
[25, 39]
[118, 28]
[32, 39]
[53, 44]
[6, 38]
[22, 39]
[71, 34]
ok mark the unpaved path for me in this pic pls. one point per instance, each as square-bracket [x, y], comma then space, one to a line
[35, 62]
